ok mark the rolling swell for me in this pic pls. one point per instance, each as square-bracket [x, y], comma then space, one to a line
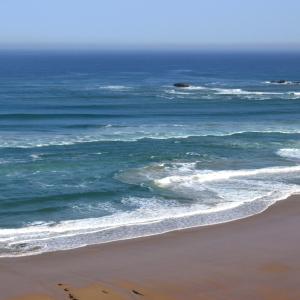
[111, 133]
[54, 116]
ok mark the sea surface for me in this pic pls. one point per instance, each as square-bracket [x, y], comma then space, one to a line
[97, 147]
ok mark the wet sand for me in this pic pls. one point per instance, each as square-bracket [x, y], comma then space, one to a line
[253, 258]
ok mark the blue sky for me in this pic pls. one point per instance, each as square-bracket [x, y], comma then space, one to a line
[149, 23]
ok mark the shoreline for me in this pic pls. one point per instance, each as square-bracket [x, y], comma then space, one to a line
[250, 258]
[138, 230]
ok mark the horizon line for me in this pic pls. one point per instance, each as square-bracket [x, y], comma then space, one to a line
[155, 47]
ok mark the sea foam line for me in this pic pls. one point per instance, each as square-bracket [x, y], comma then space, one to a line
[133, 134]
[153, 216]
[206, 176]
[25, 247]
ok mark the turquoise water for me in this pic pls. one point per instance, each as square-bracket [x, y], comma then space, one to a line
[96, 147]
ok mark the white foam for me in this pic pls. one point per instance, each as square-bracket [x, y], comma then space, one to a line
[215, 197]
[191, 87]
[242, 92]
[134, 133]
[115, 87]
[289, 153]
[177, 92]
[144, 221]
[35, 156]
[229, 185]
[194, 154]
[297, 94]
[207, 175]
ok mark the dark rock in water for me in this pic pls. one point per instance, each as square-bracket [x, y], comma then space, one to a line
[278, 81]
[284, 81]
[180, 84]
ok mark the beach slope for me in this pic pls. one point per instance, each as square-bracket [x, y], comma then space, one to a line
[253, 258]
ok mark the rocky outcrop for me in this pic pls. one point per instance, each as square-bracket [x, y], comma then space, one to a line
[284, 81]
[279, 81]
[180, 84]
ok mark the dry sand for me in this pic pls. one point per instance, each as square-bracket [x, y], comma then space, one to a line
[253, 258]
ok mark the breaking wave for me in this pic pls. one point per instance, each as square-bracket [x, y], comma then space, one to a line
[214, 197]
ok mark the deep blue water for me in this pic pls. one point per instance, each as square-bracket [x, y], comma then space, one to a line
[97, 147]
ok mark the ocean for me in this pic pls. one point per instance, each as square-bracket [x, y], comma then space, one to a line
[98, 146]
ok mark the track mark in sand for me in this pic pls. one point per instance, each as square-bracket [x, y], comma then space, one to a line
[67, 290]
[137, 293]
[94, 292]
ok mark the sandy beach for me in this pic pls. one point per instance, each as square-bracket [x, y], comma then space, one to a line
[252, 258]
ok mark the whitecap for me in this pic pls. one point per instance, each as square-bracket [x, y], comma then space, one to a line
[115, 87]
[289, 153]
[209, 176]
[242, 92]
[178, 93]
[294, 94]
[35, 156]
[192, 87]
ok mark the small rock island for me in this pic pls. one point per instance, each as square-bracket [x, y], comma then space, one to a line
[279, 81]
[284, 81]
[180, 84]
